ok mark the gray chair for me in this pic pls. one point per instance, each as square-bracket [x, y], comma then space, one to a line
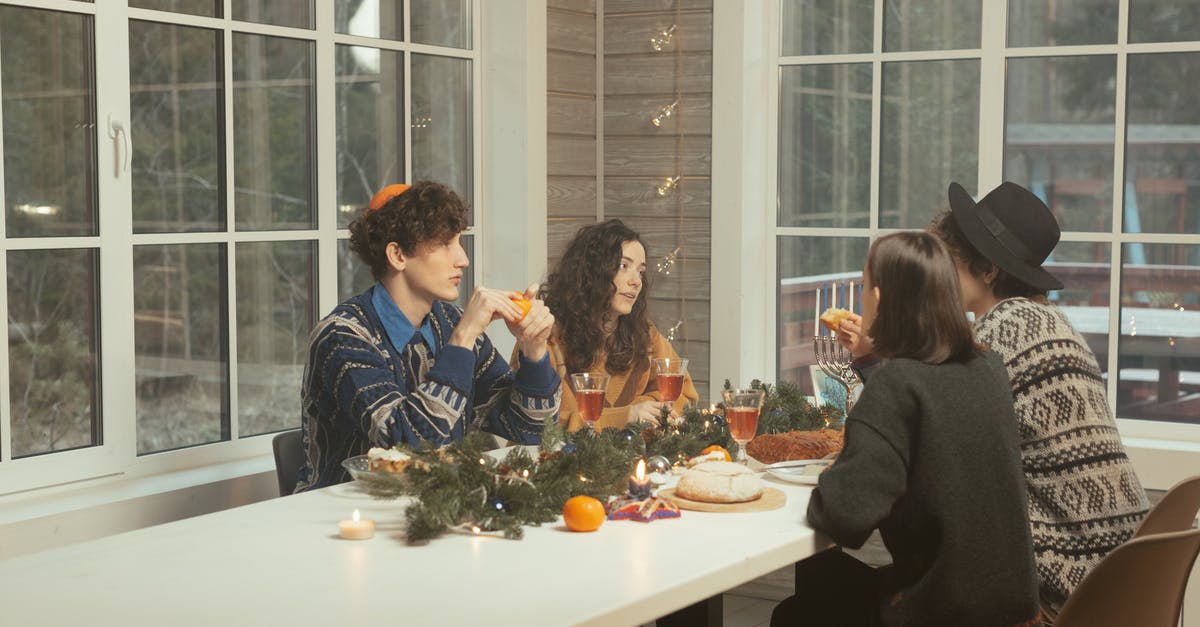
[1175, 512]
[289, 457]
[1142, 582]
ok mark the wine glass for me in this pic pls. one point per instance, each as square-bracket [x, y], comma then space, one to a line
[670, 371]
[741, 413]
[589, 395]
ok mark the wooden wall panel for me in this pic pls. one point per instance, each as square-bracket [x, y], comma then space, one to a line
[571, 196]
[692, 237]
[582, 6]
[612, 7]
[571, 31]
[570, 115]
[638, 197]
[657, 156]
[571, 155]
[655, 74]
[631, 115]
[665, 312]
[570, 72]
[626, 34]
[560, 231]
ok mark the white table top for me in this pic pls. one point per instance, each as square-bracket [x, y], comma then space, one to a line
[280, 562]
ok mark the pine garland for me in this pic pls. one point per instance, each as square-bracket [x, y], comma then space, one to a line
[462, 488]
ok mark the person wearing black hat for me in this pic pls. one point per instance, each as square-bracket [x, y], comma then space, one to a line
[1084, 497]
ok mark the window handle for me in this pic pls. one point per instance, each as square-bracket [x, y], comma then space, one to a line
[116, 132]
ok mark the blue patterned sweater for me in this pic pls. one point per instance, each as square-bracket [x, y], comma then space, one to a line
[358, 392]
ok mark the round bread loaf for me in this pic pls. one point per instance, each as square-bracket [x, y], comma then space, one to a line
[719, 482]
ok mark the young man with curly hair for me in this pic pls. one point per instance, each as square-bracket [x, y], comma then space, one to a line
[598, 290]
[400, 364]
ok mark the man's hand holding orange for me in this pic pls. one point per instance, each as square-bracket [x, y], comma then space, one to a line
[532, 326]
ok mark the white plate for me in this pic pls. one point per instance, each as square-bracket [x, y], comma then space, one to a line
[803, 471]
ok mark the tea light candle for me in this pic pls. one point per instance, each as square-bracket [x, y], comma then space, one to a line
[639, 483]
[356, 529]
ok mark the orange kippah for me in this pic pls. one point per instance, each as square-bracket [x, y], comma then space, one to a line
[382, 196]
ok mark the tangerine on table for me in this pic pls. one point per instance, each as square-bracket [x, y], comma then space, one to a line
[717, 448]
[583, 513]
[524, 305]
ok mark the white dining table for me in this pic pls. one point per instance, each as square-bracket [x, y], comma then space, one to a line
[281, 562]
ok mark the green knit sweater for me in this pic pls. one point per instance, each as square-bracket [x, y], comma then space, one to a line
[932, 460]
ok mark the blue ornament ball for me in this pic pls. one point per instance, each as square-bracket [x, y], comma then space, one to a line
[497, 505]
[569, 448]
[718, 420]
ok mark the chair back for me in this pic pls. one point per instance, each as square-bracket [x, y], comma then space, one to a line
[1175, 512]
[289, 457]
[1142, 582]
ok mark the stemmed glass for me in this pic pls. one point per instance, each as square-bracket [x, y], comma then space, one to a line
[741, 413]
[670, 371]
[589, 395]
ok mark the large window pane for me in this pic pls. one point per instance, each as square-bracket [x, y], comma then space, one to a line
[825, 145]
[806, 265]
[442, 122]
[54, 381]
[370, 18]
[441, 22]
[819, 27]
[1084, 268]
[274, 125]
[1060, 133]
[181, 345]
[1061, 22]
[929, 136]
[210, 8]
[931, 24]
[294, 13]
[49, 111]
[370, 125]
[354, 276]
[1164, 20]
[1159, 349]
[176, 99]
[276, 309]
[1162, 158]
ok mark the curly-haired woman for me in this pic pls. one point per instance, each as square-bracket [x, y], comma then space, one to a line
[400, 364]
[598, 295]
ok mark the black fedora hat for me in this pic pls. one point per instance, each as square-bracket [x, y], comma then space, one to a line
[1012, 228]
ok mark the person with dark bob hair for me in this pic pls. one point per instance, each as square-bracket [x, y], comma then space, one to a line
[1070, 444]
[931, 460]
[597, 292]
[400, 364]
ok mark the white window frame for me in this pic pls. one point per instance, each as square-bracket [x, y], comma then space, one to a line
[745, 149]
[116, 458]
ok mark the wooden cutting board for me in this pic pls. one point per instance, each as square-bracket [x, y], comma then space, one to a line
[772, 498]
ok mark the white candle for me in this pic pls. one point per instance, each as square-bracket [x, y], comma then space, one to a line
[852, 297]
[356, 529]
[817, 314]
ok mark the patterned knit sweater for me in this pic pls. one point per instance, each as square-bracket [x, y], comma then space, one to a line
[358, 392]
[1084, 497]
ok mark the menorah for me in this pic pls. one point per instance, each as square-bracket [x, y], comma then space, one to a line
[833, 358]
[834, 361]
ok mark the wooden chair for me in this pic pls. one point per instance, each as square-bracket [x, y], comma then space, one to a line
[1175, 512]
[289, 457]
[1142, 582]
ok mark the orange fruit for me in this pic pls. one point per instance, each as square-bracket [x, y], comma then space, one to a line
[524, 305]
[389, 192]
[719, 449]
[583, 513]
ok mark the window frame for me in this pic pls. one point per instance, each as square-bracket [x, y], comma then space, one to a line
[993, 54]
[115, 457]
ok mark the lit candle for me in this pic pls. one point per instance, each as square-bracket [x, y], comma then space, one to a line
[851, 290]
[639, 483]
[817, 314]
[356, 529]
